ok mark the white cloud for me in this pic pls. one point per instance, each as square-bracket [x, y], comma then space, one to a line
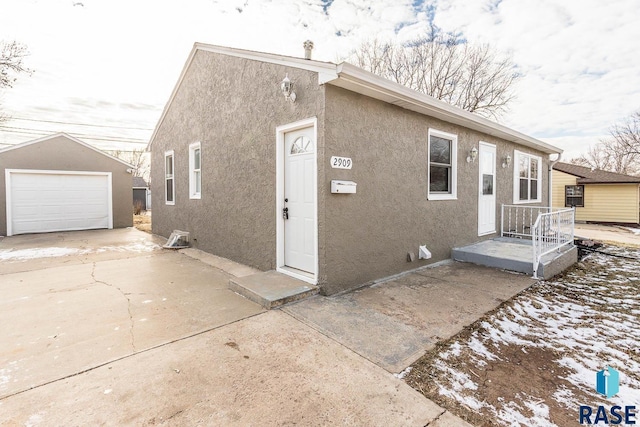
[116, 62]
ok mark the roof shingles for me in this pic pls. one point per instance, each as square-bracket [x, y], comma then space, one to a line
[595, 176]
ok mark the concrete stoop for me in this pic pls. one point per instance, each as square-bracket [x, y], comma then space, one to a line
[271, 289]
[515, 255]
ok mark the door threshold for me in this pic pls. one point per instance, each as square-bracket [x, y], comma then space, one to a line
[305, 276]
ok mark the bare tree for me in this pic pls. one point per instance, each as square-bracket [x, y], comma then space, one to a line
[620, 152]
[12, 56]
[138, 158]
[473, 77]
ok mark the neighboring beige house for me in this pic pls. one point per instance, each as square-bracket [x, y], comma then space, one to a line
[328, 173]
[598, 196]
[59, 183]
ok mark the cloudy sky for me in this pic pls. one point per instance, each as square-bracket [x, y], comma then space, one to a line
[103, 69]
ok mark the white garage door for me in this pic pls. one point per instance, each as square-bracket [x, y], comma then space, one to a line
[42, 201]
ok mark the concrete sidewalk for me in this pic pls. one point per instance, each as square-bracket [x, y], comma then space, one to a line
[608, 233]
[394, 323]
[267, 370]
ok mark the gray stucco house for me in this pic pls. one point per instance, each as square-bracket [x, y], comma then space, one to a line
[59, 183]
[329, 173]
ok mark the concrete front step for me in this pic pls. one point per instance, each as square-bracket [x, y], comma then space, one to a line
[515, 255]
[271, 289]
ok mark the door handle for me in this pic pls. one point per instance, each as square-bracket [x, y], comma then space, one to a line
[285, 213]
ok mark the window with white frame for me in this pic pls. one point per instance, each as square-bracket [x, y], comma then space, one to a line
[527, 179]
[169, 181]
[443, 155]
[195, 171]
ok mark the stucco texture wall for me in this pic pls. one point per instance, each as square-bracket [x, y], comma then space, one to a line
[232, 106]
[367, 235]
[61, 153]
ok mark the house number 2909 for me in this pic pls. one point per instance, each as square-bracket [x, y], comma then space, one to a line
[341, 162]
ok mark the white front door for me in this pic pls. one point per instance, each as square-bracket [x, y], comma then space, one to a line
[299, 205]
[487, 189]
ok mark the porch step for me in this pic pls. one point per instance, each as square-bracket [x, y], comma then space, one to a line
[271, 289]
[515, 255]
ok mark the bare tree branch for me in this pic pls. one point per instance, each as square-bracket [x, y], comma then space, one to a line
[472, 77]
[619, 153]
[138, 158]
[12, 55]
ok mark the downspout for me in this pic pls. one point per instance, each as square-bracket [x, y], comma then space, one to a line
[550, 193]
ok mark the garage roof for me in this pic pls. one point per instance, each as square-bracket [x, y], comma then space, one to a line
[69, 137]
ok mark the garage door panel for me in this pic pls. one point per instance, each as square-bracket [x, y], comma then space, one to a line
[42, 202]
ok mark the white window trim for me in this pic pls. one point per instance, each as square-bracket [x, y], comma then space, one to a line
[516, 177]
[173, 176]
[454, 166]
[193, 194]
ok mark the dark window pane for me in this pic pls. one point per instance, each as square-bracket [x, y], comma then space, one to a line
[440, 150]
[169, 190]
[524, 187]
[439, 179]
[534, 189]
[574, 195]
[487, 184]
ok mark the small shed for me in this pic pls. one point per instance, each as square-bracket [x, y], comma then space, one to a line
[141, 194]
[597, 195]
[59, 183]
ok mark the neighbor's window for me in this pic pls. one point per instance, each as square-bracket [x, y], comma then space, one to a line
[574, 196]
[195, 172]
[443, 153]
[527, 185]
[169, 182]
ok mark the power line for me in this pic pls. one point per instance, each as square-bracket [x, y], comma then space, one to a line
[38, 132]
[77, 124]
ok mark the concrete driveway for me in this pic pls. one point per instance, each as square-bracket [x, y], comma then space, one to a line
[74, 301]
[104, 327]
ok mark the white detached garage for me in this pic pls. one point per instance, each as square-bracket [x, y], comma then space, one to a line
[59, 183]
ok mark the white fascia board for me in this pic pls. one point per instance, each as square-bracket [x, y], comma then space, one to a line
[358, 80]
[69, 137]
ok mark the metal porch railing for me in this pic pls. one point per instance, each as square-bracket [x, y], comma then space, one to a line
[547, 229]
[518, 220]
[551, 231]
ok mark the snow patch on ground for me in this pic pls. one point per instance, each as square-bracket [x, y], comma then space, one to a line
[589, 316]
[403, 374]
[25, 254]
[35, 253]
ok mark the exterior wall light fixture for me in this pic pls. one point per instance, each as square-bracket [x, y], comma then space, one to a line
[473, 154]
[506, 161]
[287, 89]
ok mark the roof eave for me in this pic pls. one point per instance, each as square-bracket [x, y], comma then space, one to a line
[589, 181]
[358, 80]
